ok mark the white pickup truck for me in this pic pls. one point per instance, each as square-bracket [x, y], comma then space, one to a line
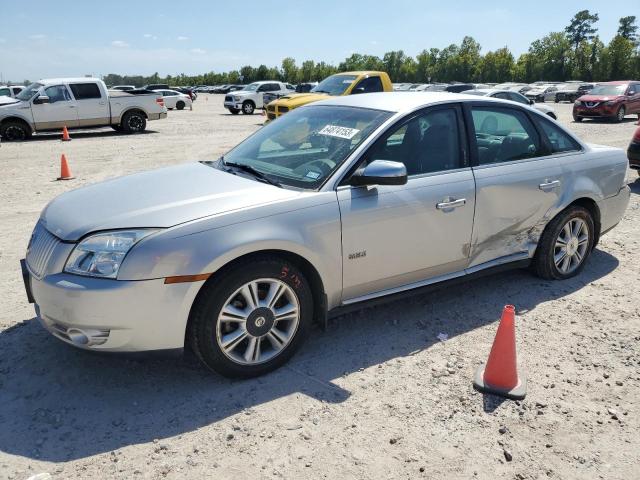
[76, 103]
[251, 96]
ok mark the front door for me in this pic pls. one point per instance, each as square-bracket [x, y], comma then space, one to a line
[60, 111]
[517, 184]
[396, 236]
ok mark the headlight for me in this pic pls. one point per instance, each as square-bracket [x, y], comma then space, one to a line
[577, 102]
[101, 255]
[610, 102]
[236, 99]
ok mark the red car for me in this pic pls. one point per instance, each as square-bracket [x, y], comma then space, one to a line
[633, 152]
[612, 100]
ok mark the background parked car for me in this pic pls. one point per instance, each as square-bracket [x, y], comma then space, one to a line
[123, 88]
[156, 86]
[251, 96]
[305, 87]
[542, 93]
[612, 100]
[10, 90]
[174, 99]
[458, 87]
[633, 152]
[514, 97]
[570, 92]
[186, 91]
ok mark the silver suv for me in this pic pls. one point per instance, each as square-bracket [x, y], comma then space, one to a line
[337, 203]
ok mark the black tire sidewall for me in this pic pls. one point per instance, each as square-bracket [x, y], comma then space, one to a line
[25, 131]
[246, 104]
[180, 105]
[545, 253]
[212, 299]
[125, 122]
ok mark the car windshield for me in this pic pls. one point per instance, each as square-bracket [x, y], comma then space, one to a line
[608, 90]
[335, 84]
[304, 147]
[252, 87]
[29, 92]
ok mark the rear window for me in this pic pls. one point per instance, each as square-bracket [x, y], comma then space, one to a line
[85, 91]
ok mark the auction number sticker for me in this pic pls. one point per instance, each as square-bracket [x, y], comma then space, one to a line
[340, 132]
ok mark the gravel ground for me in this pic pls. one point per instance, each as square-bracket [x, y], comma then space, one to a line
[375, 396]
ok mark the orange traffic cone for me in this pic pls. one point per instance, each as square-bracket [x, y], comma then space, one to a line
[65, 171]
[65, 134]
[500, 375]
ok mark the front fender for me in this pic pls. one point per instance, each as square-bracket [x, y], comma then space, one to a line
[313, 233]
[18, 116]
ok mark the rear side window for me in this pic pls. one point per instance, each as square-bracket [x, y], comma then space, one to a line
[558, 140]
[85, 91]
[504, 135]
[16, 91]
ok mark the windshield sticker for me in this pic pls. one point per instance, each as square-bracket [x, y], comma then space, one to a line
[340, 132]
[347, 81]
[313, 175]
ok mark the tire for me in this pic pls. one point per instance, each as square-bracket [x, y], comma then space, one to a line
[234, 111]
[248, 107]
[556, 100]
[14, 131]
[552, 115]
[117, 128]
[133, 122]
[180, 105]
[620, 114]
[577, 119]
[548, 262]
[208, 331]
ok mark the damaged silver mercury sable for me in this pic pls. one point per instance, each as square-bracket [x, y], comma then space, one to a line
[336, 203]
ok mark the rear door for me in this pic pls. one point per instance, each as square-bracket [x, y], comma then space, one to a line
[93, 105]
[59, 112]
[400, 235]
[518, 183]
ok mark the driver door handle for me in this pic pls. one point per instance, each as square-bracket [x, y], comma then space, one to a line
[451, 203]
[547, 185]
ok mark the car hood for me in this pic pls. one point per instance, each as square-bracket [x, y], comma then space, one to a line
[243, 92]
[6, 100]
[599, 98]
[298, 99]
[158, 198]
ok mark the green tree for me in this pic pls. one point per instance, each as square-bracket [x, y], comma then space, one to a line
[628, 28]
[427, 61]
[581, 27]
[289, 70]
[498, 66]
[393, 62]
[307, 71]
[621, 53]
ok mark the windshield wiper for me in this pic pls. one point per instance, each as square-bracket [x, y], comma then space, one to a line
[320, 91]
[249, 169]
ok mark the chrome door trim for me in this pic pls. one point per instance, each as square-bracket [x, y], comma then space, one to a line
[440, 278]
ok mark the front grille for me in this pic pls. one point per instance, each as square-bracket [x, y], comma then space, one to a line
[40, 248]
[591, 104]
[283, 109]
[228, 98]
[271, 108]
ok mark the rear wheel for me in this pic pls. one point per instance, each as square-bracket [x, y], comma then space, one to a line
[133, 122]
[565, 244]
[180, 105]
[254, 320]
[13, 131]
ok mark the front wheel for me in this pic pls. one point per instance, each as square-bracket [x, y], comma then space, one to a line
[565, 245]
[133, 122]
[180, 105]
[254, 320]
[577, 119]
[620, 114]
[12, 131]
[234, 111]
[248, 108]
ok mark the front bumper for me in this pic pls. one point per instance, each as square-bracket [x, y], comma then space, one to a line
[633, 154]
[113, 315]
[234, 105]
[601, 111]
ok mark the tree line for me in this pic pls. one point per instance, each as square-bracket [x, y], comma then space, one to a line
[577, 53]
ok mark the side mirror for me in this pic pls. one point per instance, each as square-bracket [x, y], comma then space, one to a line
[41, 99]
[380, 172]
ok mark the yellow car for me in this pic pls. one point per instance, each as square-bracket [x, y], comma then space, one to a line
[345, 83]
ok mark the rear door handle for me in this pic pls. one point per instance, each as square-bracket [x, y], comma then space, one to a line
[451, 203]
[547, 185]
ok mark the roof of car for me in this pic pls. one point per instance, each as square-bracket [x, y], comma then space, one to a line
[399, 101]
[617, 82]
[47, 81]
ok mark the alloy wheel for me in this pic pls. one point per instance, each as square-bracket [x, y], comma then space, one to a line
[14, 132]
[258, 321]
[571, 245]
[135, 123]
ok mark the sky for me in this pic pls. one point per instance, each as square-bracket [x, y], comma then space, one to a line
[40, 39]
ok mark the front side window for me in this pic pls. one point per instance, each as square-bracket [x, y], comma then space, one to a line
[85, 91]
[369, 85]
[304, 147]
[57, 93]
[4, 91]
[334, 85]
[503, 135]
[558, 140]
[427, 143]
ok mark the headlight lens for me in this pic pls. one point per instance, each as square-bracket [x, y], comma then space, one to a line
[101, 255]
[610, 102]
[236, 99]
[577, 102]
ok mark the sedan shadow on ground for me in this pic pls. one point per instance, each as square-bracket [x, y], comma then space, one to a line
[78, 134]
[60, 404]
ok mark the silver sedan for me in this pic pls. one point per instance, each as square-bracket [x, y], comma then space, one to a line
[334, 204]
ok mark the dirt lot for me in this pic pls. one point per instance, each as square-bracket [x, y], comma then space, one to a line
[376, 396]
